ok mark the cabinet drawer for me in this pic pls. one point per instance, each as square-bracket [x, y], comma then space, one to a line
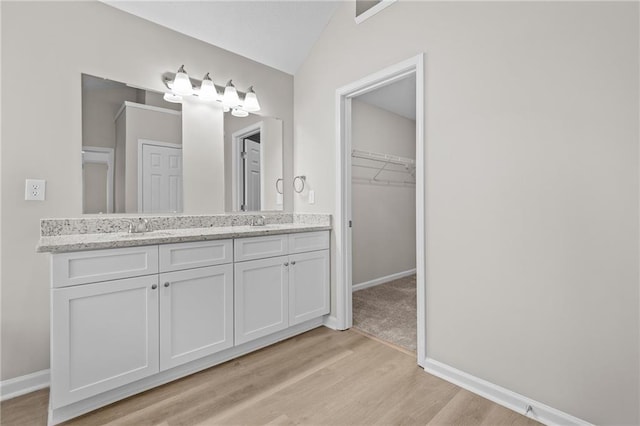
[176, 257]
[101, 265]
[260, 247]
[308, 241]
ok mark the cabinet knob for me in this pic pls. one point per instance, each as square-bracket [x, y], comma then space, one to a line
[293, 262]
[154, 286]
[286, 263]
[166, 284]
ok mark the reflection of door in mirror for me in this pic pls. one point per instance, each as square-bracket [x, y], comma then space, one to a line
[160, 177]
[250, 177]
[256, 165]
[97, 179]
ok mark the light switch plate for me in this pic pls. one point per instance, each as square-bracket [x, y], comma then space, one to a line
[312, 196]
[34, 189]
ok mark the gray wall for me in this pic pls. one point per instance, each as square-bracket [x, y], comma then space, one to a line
[42, 132]
[531, 185]
[99, 108]
[384, 216]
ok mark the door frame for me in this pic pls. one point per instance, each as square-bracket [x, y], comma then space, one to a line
[343, 237]
[236, 172]
[141, 143]
[100, 155]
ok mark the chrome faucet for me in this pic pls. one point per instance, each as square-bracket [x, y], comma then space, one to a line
[140, 226]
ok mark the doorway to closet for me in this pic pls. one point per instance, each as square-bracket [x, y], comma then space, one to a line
[346, 96]
[383, 211]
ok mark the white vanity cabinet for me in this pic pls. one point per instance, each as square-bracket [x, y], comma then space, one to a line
[261, 298]
[103, 335]
[277, 292]
[308, 286]
[196, 300]
[196, 314]
[109, 333]
[127, 319]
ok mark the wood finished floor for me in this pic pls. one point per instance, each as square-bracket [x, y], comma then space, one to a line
[322, 377]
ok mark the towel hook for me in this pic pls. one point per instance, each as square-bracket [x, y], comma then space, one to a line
[302, 180]
[278, 190]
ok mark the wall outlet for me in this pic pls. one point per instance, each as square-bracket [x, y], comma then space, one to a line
[312, 196]
[34, 189]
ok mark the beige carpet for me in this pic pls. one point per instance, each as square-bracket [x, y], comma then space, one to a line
[388, 311]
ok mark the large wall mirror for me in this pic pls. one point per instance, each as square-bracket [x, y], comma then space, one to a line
[132, 162]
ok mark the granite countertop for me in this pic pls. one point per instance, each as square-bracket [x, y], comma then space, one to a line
[93, 241]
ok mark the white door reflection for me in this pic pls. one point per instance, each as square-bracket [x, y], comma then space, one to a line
[160, 183]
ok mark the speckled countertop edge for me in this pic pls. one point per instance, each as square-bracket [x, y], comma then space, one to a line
[80, 242]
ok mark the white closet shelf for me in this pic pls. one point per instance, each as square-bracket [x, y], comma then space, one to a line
[384, 158]
[385, 162]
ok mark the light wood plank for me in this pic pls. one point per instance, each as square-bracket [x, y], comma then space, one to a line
[322, 377]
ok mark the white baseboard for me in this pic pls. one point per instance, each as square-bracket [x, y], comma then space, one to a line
[382, 280]
[331, 322]
[509, 399]
[24, 384]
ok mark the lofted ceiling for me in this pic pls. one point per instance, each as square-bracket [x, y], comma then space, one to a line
[279, 34]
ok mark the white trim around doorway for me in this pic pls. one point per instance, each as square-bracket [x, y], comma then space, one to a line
[342, 318]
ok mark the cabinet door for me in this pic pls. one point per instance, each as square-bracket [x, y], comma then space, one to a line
[104, 335]
[196, 314]
[308, 286]
[261, 298]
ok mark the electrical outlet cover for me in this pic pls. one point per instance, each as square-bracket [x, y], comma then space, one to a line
[34, 189]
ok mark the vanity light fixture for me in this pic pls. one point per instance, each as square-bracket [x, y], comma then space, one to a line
[251, 103]
[230, 97]
[208, 90]
[180, 84]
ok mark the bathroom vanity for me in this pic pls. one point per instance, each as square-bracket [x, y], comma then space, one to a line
[132, 311]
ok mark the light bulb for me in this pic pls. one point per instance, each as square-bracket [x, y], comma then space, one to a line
[237, 112]
[174, 99]
[251, 101]
[230, 97]
[181, 83]
[208, 90]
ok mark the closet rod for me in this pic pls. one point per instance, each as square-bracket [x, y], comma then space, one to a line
[382, 182]
[404, 170]
[385, 158]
